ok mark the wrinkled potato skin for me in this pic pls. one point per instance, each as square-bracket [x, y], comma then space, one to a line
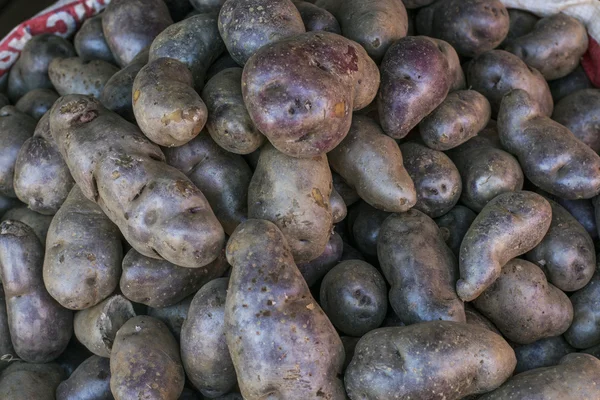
[521, 23]
[75, 76]
[372, 164]
[457, 75]
[497, 72]
[472, 27]
[475, 360]
[158, 283]
[25, 381]
[272, 319]
[454, 226]
[83, 257]
[130, 26]
[204, 350]
[317, 18]
[554, 46]
[574, 377]
[435, 176]
[576, 80]
[91, 380]
[90, 43]
[580, 113]
[294, 194]
[38, 222]
[145, 361]
[420, 269]
[510, 225]
[6, 347]
[543, 353]
[523, 305]
[173, 316]
[316, 269]
[40, 328]
[552, 157]
[410, 88]
[228, 121]
[307, 111]
[584, 332]
[37, 102]
[365, 224]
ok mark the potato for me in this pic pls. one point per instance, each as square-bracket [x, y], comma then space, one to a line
[474, 317]
[6, 347]
[576, 80]
[454, 225]
[431, 360]
[584, 332]
[228, 121]
[497, 72]
[76, 76]
[346, 192]
[410, 88]
[574, 377]
[37, 102]
[90, 43]
[206, 6]
[566, 254]
[554, 46]
[354, 297]
[130, 26]
[275, 20]
[307, 111]
[375, 25]
[420, 269]
[317, 18]
[15, 128]
[579, 112]
[521, 23]
[158, 210]
[316, 269]
[551, 156]
[38, 222]
[338, 207]
[523, 305]
[73, 356]
[83, 257]
[272, 319]
[543, 353]
[31, 69]
[24, 381]
[294, 194]
[204, 350]
[435, 176]
[510, 225]
[457, 75]
[222, 177]
[195, 42]
[371, 163]
[582, 210]
[365, 227]
[40, 328]
[158, 283]
[145, 361]
[173, 316]
[91, 380]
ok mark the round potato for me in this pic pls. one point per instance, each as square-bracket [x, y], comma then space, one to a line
[90, 43]
[37, 102]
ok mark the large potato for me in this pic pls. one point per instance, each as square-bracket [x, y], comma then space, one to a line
[90, 381]
[454, 226]
[317, 18]
[90, 43]
[77, 76]
[542, 353]
[584, 332]
[37, 102]
[24, 381]
[580, 113]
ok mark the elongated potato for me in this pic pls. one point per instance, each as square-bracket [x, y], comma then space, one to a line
[37, 102]
[510, 225]
[91, 380]
[584, 332]
[448, 360]
[76, 76]
[454, 226]
[542, 353]
[25, 381]
[316, 269]
[173, 316]
[579, 112]
[317, 18]
[38, 222]
[90, 43]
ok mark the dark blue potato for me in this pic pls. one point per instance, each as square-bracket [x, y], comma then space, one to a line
[454, 225]
[37, 102]
[576, 80]
[25, 381]
[317, 18]
[90, 43]
[90, 381]
[543, 353]
[584, 332]
[580, 113]
[15, 128]
[314, 270]
[364, 227]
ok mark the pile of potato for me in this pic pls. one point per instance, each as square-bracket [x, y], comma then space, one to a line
[291, 200]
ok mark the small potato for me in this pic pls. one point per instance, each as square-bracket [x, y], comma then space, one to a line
[354, 297]
[497, 72]
[551, 156]
[580, 113]
[521, 23]
[576, 80]
[411, 88]
[166, 106]
[435, 176]
[454, 226]
[543, 353]
[173, 316]
[145, 361]
[76, 76]
[38, 222]
[510, 225]
[90, 381]
[574, 377]
[317, 18]
[207, 6]
[347, 193]
[372, 164]
[307, 110]
[420, 269]
[37, 102]
[460, 117]
[523, 305]
[365, 227]
[158, 283]
[276, 20]
[228, 121]
[6, 347]
[457, 75]
[130, 26]
[448, 360]
[316, 269]
[204, 350]
[25, 381]
[294, 194]
[554, 46]
[271, 319]
[566, 254]
[90, 43]
[474, 317]
[584, 332]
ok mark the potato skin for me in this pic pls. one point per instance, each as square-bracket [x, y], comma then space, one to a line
[317, 18]
[454, 225]
[543, 353]
[288, 105]
[40, 328]
[83, 257]
[410, 88]
[554, 46]
[294, 194]
[90, 43]
[25, 381]
[476, 361]
[372, 164]
[510, 225]
[521, 23]
[76, 76]
[580, 113]
[38, 222]
[582, 210]
[37, 102]
[145, 361]
[338, 207]
[523, 305]
[584, 331]
[457, 75]
[576, 80]
[550, 155]
[6, 347]
[91, 380]
[314, 270]
[435, 176]
[347, 193]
